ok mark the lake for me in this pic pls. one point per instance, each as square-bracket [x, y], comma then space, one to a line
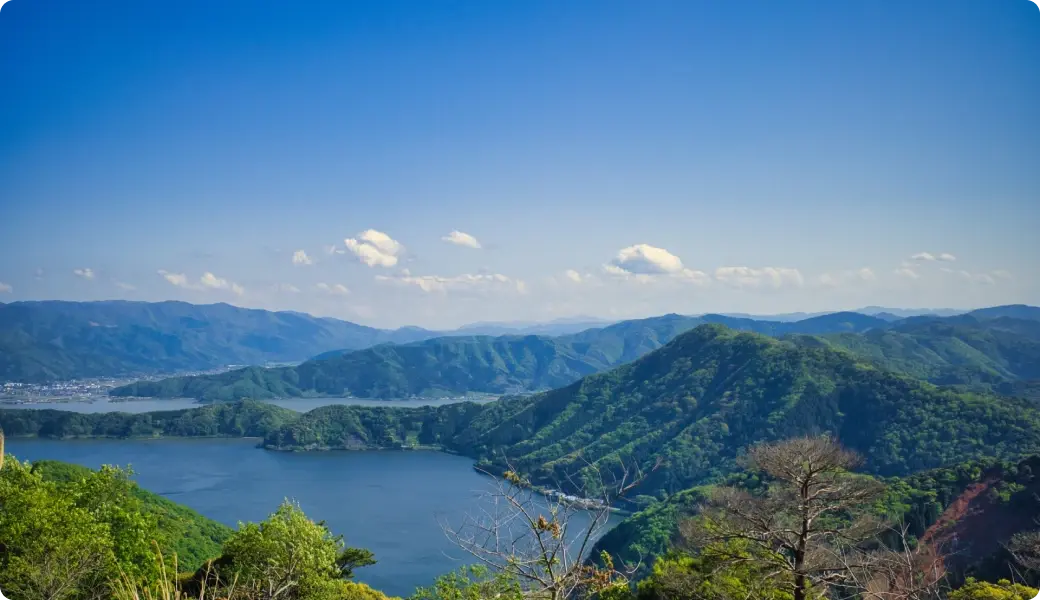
[103, 404]
[393, 503]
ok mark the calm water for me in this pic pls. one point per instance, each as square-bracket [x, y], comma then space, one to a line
[393, 503]
[103, 404]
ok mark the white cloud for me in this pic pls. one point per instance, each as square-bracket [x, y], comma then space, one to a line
[287, 288]
[929, 257]
[300, 258]
[126, 287]
[375, 248]
[698, 277]
[908, 273]
[984, 278]
[208, 281]
[85, 273]
[751, 277]
[646, 260]
[334, 289]
[5, 288]
[442, 284]
[39, 273]
[461, 239]
[211, 281]
[644, 263]
[844, 278]
[177, 279]
[574, 276]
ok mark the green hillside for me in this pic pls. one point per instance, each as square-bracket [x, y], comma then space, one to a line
[1004, 504]
[693, 405]
[711, 392]
[458, 365]
[184, 532]
[979, 354]
[243, 419]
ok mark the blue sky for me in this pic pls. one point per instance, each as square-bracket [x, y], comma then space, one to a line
[609, 158]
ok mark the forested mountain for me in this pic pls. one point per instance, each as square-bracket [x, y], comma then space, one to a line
[457, 365]
[998, 353]
[974, 510]
[243, 419]
[693, 405]
[696, 402]
[690, 406]
[44, 341]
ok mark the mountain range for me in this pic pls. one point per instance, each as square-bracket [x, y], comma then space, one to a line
[461, 364]
[54, 340]
[682, 414]
[975, 350]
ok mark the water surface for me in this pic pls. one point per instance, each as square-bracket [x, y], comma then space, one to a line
[393, 503]
[104, 404]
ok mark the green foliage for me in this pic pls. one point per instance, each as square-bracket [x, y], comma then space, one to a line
[44, 341]
[289, 556]
[728, 571]
[50, 547]
[181, 532]
[994, 355]
[471, 583]
[695, 403]
[1002, 590]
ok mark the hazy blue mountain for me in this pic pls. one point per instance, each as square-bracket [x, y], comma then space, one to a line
[44, 341]
[903, 313]
[555, 327]
[454, 365]
[1016, 311]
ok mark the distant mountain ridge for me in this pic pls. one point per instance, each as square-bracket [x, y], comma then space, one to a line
[53, 340]
[982, 350]
[460, 364]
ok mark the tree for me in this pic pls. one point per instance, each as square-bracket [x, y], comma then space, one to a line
[50, 549]
[289, 557]
[812, 508]
[108, 495]
[475, 582]
[719, 571]
[354, 558]
[539, 540]
[982, 590]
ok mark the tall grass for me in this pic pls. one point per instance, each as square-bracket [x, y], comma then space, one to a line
[169, 585]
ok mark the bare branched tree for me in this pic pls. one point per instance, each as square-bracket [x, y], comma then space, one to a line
[1024, 547]
[902, 572]
[543, 539]
[812, 507]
